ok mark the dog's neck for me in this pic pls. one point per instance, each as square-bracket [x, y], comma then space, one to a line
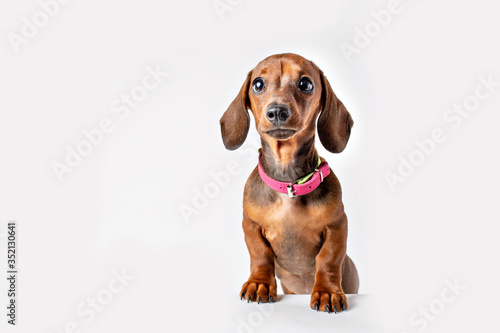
[288, 161]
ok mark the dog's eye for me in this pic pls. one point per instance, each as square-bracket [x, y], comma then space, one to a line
[305, 84]
[258, 85]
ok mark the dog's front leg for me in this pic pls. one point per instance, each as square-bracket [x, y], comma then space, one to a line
[261, 285]
[327, 294]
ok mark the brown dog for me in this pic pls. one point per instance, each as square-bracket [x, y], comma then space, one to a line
[301, 239]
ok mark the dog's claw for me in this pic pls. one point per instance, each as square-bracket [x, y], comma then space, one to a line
[271, 299]
[259, 300]
[242, 295]
[343, 306]
[248, 299]
[335, 309]
[316, 307]
[327, 309]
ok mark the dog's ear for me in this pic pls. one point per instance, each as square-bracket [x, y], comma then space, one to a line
[235, 122]
[334, 122]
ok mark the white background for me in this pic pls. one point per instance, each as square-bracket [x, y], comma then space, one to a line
[120, 208]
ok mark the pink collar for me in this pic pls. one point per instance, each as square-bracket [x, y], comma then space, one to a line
[294, 189]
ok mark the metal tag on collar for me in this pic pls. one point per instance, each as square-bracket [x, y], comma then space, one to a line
[291, 192]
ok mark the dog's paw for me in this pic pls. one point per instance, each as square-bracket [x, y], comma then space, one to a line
[328, 301]
[259, 291]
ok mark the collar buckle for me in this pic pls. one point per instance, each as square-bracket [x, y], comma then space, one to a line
[320, 173]
[291, 192]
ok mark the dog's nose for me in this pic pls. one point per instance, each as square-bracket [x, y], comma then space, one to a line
[278, 114]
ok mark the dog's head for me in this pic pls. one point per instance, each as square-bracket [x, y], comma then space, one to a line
[286, 93]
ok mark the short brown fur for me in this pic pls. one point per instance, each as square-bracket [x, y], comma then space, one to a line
[301, 240]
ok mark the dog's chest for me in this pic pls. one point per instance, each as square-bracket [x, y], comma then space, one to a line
[293, 229]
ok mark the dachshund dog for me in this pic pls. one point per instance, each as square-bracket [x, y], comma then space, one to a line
[295, 228]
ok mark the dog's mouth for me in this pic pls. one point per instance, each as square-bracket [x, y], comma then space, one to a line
[281, 133]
